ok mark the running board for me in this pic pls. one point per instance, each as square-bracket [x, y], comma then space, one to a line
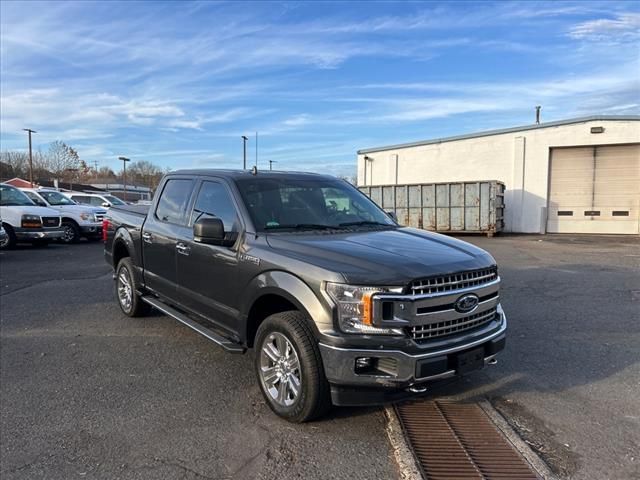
[202, 330]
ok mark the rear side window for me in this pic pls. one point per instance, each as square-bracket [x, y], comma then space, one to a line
[215, 201]
[172, 205]
[81, 199]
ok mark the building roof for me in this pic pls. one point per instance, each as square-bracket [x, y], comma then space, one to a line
[19, 182]
[487, 133]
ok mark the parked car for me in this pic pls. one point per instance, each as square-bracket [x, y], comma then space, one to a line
[343, 305]
[77, 220]
[103, 200]
[3, 233]
[23, 221]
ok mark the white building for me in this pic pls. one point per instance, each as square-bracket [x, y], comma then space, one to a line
[571, 176]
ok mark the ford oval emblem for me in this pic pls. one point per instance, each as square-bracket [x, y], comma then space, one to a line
[466, 303]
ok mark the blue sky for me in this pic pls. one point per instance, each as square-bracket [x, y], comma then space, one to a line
[179, 83]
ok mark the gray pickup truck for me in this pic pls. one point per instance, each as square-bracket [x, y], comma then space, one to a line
[342, 305]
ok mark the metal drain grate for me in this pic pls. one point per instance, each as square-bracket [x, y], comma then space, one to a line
[458, 441]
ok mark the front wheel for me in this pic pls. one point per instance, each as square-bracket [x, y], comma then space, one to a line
[289, 368]
[71, 232]
[9, 241]
[126, 287]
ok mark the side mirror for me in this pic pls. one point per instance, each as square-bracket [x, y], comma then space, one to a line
[392, 215]
[210, 231]
[106, 204]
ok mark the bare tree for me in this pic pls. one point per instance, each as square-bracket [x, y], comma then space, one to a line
[145, 172]
[62, 160]
[16, 164]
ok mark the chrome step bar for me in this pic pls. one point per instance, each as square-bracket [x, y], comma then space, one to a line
[201, 329]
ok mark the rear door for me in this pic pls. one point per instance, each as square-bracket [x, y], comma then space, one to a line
[159, 235]
[208, 274]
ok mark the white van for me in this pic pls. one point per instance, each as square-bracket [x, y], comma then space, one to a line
[77, 220]
[23, 221]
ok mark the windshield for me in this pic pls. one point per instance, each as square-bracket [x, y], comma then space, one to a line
[114, 200]
[56, 198]
[11, 197]
[318, 203]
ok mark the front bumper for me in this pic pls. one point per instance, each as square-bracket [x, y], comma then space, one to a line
[30, 234]
[403, 374]
[93, 229]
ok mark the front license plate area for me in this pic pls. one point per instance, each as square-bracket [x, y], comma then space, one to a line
[469, 361]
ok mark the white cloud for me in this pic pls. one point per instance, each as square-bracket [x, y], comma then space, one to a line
[622, 28]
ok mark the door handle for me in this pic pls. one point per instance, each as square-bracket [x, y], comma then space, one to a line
[183, 249]
[146, 237]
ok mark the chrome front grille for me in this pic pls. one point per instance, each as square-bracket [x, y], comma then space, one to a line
[449, 327]
[454, 281]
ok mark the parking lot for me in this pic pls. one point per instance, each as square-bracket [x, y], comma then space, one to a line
[89, 393]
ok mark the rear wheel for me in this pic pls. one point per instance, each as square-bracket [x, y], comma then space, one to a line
[126, 287]
[10, 240]
[289, 368]
[71, 232]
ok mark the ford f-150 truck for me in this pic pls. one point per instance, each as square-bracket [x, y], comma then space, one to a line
[342, 305]
[77, 220]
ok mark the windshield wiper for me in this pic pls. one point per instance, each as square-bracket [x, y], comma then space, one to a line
[365, 222]
[300, 226]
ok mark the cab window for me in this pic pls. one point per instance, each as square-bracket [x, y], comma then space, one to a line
[173, 201]
[214, 200]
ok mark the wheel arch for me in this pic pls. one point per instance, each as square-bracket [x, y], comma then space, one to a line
[275, 292]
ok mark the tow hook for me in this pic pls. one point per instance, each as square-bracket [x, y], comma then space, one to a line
[417, 389]
[493, 361]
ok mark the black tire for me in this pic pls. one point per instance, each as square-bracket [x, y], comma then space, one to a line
[314, 398]
[10, 242]
[71, 232]
[136, 307]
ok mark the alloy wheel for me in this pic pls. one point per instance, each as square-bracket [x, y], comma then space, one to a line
[280, 369]
[125, 292]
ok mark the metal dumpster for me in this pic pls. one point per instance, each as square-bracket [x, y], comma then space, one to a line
[465, 207]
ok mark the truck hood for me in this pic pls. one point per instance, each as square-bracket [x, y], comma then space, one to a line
[388, 257]
[31, 210]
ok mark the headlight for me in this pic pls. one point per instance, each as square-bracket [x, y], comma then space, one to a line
[88, 216]
[354, 308]
[31, 221]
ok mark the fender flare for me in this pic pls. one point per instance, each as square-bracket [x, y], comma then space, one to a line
[123, 237]
[293, 289]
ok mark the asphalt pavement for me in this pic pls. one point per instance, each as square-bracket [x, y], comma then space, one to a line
[89, 393]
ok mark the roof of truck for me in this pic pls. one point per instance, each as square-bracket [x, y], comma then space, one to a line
[245, 173]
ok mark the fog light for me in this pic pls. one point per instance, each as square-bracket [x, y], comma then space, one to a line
[363, 363]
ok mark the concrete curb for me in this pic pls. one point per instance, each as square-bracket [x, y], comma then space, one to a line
[520, 445]
[407, 465]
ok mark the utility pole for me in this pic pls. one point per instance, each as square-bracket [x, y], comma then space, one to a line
[256, 149]
[271, 162]
[95, 168]
[124, 174]
[244, 144]
[30, 156]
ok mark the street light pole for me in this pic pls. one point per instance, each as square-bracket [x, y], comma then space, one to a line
[30, 156]
[124, 174]
[271, 162]
[244, 144]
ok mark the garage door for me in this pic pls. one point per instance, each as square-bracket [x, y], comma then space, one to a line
[595, 190]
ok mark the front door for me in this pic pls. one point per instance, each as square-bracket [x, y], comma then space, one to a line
[208, 274]
[159, 236]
